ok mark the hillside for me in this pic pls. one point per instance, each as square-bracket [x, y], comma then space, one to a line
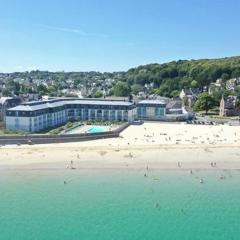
[166, 79]
[169, 77]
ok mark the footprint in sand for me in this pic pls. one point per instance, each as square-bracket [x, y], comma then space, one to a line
[102, 153]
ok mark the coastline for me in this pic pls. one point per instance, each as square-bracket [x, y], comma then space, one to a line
[167, 157]
[152, 145]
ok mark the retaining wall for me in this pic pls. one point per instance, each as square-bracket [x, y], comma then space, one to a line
[66, 138]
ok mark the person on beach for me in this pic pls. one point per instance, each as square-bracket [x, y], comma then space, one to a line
[71, 165]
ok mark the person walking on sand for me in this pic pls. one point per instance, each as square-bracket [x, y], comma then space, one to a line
[71, 164]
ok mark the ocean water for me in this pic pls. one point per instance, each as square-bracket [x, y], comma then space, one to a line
[119, 205]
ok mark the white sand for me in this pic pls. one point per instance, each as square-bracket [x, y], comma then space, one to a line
[155, 145]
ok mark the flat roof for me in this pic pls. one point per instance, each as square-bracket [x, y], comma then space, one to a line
[34, 106]
[156, 102]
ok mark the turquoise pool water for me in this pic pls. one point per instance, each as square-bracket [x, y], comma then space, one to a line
[96, 130]
[119, 205]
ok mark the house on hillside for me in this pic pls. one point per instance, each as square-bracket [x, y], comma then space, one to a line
[29, 97]
[229, 106]
[231, 84]
[174, 107]
[188, 96]
[190, 93]
[215, 86]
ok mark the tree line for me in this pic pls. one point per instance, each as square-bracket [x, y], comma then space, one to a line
[166, 79]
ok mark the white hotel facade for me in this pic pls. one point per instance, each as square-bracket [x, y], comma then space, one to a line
[37, 116]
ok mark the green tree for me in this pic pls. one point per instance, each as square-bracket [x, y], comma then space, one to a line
[237, 90]
[53, 90]
[42, 89]
[194, 84]
[225, 77]
[218, 94]
[13, 86]
[185, 82]
[175, 93]
[6, 92]
[121, 89]
[205, 102]
[235, 73]
[136, 88]
[98, 94]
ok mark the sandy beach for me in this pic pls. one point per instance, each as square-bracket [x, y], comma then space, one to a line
[147, 146]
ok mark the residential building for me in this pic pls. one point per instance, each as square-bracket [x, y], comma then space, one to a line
[231, 84]
[228, 106]
[174, 107]
[189, 96]
[190, 93]
[160, 110]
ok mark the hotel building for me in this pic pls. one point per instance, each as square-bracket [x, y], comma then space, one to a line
[41, 115]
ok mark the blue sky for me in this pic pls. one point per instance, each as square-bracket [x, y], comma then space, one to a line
[114, 35]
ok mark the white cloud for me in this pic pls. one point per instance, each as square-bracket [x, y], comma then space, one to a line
[74, 31]
[65, 29]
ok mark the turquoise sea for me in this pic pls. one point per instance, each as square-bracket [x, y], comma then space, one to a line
[37, 205]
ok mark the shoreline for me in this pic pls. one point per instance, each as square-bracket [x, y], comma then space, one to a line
[156, 145]
[196, 157]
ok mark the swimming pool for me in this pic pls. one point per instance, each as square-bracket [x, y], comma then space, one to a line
[96, 130]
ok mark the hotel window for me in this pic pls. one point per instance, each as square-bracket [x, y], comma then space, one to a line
[159, 111]
[106, 115]
[119, 115]
[162, 112]
[85, 114]
[92, 114]
[125, 117]
[112, 115]
[99, 114]
[142, 112]
[70, 113]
